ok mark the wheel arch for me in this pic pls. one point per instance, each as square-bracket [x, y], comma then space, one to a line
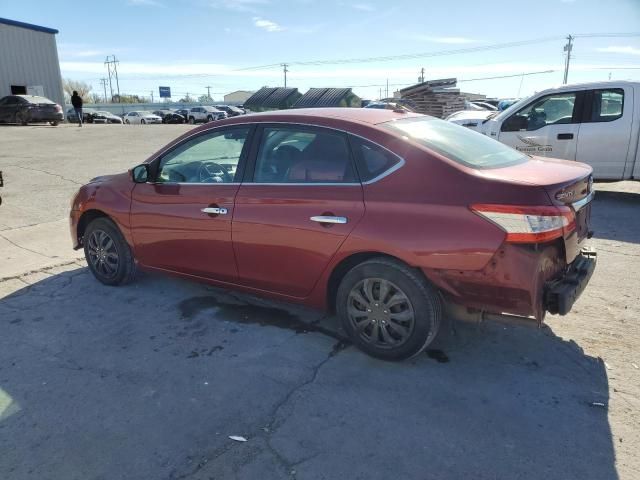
[85, 219]
[347, 263]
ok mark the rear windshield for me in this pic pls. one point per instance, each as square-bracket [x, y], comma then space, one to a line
[457, 143]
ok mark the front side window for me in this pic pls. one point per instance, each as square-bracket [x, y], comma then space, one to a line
[303, 155]
[457, 143]
[606, 105]
[554, 109]
[208, 158]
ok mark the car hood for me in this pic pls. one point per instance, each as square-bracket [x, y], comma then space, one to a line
[478, 115]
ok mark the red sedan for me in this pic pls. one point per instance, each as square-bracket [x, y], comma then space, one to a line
[384, 217]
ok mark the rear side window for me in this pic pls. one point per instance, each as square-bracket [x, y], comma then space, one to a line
[606, 105]
[371, 159]
[303, 155]
[457, 143]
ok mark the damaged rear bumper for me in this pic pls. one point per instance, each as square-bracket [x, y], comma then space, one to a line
[562, 293]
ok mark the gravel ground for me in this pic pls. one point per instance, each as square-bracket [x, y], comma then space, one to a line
[150, 380]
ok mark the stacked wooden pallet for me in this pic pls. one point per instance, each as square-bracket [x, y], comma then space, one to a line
[438, 98]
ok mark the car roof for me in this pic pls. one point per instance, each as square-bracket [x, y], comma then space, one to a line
[35, 98]
[370, 116]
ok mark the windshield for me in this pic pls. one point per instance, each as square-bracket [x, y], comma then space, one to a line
[457, 143]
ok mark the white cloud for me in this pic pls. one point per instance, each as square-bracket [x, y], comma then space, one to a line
[628, 50]
[267, 25]
[365, 7]
[251, 6]
[447, 40]
[145, 3]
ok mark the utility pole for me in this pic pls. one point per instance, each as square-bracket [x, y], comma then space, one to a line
[421, 75]
[103, 81]
[106, 62]
[208, 92]
[387, 93]
[567, 48]
[151, 96]
[285, 70]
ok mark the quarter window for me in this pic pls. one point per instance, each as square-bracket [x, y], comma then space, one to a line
[303, 155]
[371, 159]
[606, 105]
[209, 158]
[553, 109]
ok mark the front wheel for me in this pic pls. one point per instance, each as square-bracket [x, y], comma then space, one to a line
[388, 310]
[21, 119]
[127, 121]
[107, 253]
[142, 121]
[192, 121]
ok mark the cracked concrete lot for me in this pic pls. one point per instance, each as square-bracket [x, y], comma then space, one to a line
[148, 381]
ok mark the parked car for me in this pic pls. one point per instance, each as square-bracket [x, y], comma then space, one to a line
[89, 115]
[205, 114]
[389, 106]
[172, 117]
[485, 106]
[230, 110]
[472, 119]
[595, 123]
[384, 217]
[108, 117]
[25, 109]
[141, 117]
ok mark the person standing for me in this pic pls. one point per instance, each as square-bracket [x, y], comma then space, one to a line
[76, 101]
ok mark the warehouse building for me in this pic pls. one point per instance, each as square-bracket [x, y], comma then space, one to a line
[29, 61]
[328, 97]
[239, 96]
[272, 99]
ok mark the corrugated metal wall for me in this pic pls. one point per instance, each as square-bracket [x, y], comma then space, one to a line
[29, 58]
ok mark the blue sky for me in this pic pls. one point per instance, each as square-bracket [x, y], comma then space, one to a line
[191, 44]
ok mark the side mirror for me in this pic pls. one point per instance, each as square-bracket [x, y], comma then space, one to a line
[140, 174]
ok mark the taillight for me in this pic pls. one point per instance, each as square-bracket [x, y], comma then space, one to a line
[58, 108]
[525, 224]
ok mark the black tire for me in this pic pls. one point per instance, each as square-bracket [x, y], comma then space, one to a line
[127, 121]
[100, 232]
[142, 121]
[54, 123]
[209, 119]
[192, 121]
[21, 119]
[407, 338]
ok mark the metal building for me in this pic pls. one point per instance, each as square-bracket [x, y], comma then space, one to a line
[29, 61]
[328, 97]
[272, 99]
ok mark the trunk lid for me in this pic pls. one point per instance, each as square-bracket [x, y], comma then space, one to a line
[566, 183]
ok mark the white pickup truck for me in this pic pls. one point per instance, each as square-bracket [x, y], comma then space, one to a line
[595, 123]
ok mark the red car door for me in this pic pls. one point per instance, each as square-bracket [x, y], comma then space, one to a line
[296, 210]
[182, 221]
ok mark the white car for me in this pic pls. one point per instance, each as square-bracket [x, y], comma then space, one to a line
[205, 114]
[472, 119]
[141, 117]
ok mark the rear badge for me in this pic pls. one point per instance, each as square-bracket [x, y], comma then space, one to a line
[564, 195]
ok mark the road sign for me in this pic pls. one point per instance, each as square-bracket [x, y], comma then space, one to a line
[165, 92]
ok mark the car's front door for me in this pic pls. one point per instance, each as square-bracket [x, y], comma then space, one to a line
[548, 126]
[182, 220]
[299, 205]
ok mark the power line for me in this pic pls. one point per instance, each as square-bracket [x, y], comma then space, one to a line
[389, 58]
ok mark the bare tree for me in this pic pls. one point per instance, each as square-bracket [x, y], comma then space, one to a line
[83, 88]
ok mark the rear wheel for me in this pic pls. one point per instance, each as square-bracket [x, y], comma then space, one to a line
[108, 254]
[21, 118]
[388, 310]
[127, 121]
[142, 121]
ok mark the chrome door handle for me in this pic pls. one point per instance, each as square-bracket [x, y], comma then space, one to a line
[214, 210]
[327, 219]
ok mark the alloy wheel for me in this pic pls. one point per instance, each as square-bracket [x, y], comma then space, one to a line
[380, 313]
[103, 254]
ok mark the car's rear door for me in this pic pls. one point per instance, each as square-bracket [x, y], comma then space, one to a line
[299, 203]
[182, 221]
[605, 132]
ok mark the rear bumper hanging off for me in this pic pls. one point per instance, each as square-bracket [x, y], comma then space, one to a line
[562, 293]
